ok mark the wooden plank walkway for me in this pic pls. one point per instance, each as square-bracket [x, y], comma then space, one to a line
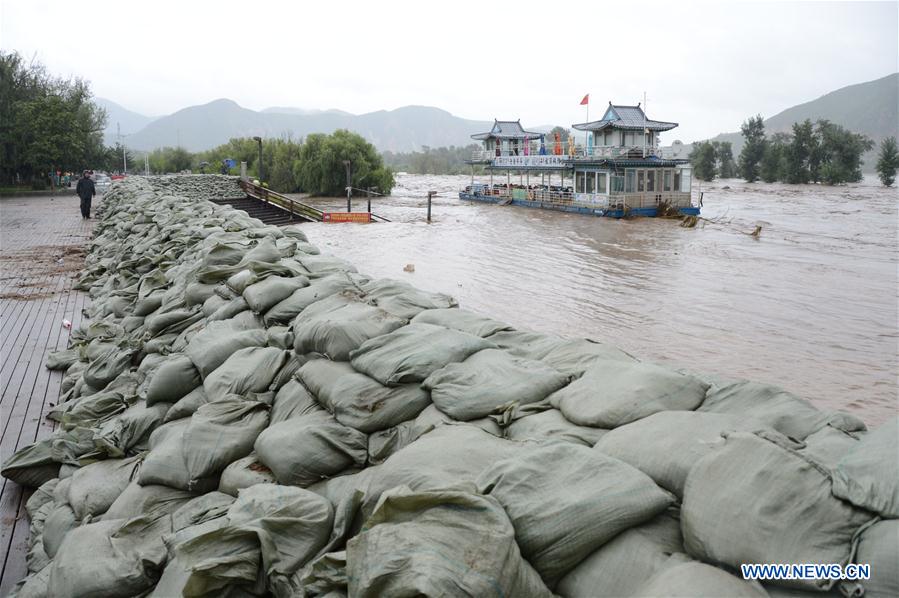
[42, 243]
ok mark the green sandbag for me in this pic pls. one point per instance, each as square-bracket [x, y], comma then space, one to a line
[59, 522]
[32, 465]
[613, 393]
[107, 366]
[172, 380]
[247, 370]
[221, 432]
[413, 352]
[264, 294]
[165, 463]
[867, 475]
[217, 342]
[551, 425]
[566, 500]
[279, 528]
[129, 432]
[150, 500]
[462, 320]
[523, 343]
[61, 360]
[358, 401]
[187, 405]
[491, 381]
[439, 543]
[666, 445]
[828, 446]
[683, 577]
[306, 449]
[339, 324]
[624, 563]
[574, 357]
[755, 500]
[287, 309]
[243, 473]
[402, 299]
[292, 400]
[173, 321]
[879, 548]
[95, 487]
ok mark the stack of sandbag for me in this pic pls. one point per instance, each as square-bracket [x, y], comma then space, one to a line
[244, 416]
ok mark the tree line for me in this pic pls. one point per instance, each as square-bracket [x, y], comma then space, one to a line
[312, 165]
[820, 152]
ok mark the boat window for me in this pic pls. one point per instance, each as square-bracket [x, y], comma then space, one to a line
[650, 180]
[601, 183]
[579, 182]
[685, 180]
[641, 181]
[677, 180]
[617, 183]
[591, 180]
[667, 177]
[631, 185]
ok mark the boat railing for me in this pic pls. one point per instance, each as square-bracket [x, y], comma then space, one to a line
[580, 152]
[634, 200]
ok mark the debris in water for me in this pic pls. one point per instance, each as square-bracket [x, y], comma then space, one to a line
[67, 324]
[409, 268]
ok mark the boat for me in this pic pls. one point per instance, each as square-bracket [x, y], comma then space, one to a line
[618, 171]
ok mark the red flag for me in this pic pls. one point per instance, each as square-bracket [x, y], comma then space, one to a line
[586, 100]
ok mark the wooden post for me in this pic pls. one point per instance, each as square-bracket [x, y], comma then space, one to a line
[430, 195]
[368, 195]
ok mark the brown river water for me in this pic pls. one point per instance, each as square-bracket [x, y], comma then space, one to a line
[810, 305]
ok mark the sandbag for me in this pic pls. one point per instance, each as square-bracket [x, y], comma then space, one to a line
[384, 443]
[292, 400]
[867, 475]
[879, 547]
[624, 563]
[691, 579]
[524, 343]
[491, 381]
[413, 352]
[247, 370]
[755, 501]
[462, 320]
[305, 449]
[95, 487]
[666, 445]
[574, 357]
[152, 501]
[829, 445]
[339, 325]
[106, 366]
[129, 432]
[217, 342]
[277, 528]
[785, 412]
[221, 432]
[566, 500]
[614, 393]
[187, 405]
[176, 377]
[287, 309]
[438, 543]
[551, 425]
[266, 293]
[358, 401]
[243, 473]
[58, 523]
[124, 560]
[402, 299]
[165, 463]
[32, 465]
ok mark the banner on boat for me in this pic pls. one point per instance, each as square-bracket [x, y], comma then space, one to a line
[530, 161]
[357, 217]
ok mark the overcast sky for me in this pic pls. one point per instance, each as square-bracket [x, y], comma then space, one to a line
[705, 65]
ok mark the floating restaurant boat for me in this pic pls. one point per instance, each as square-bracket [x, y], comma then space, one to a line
[619, 171]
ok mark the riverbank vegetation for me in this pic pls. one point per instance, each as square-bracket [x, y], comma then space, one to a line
[888, 162]
[440, 160]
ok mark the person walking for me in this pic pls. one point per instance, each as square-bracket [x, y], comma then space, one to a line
[86, 192]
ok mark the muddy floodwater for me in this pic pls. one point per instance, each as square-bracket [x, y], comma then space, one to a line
[810, 305]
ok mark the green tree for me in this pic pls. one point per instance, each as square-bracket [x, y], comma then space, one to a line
[841, 153]
[702, 158]
[771, 168]
[724, 155]
[754, 149]
[46, 123]
[799, 155]
[320, 169]
[888, 161]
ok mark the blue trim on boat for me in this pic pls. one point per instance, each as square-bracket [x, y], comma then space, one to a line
[546, 205]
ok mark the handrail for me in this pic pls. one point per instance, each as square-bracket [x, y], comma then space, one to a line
[296, 208]
[580, 151]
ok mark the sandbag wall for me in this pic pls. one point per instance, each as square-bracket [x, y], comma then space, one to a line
[244, 416]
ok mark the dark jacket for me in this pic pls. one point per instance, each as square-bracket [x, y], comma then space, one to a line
[85, 188]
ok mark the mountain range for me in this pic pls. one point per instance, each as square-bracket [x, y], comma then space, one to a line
[868, 108]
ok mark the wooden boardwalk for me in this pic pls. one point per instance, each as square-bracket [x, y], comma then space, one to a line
[42, 242]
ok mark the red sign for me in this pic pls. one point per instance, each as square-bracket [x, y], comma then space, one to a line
[358, 217]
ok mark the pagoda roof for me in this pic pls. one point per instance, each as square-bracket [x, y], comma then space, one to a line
[630, 118]
[506, 129]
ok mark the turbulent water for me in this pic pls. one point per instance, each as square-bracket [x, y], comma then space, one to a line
[810, 305]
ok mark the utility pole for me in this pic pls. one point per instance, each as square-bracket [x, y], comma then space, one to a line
[349, 185]
[368, 195]
[259, 170]
[118, 129]
[644, 124]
